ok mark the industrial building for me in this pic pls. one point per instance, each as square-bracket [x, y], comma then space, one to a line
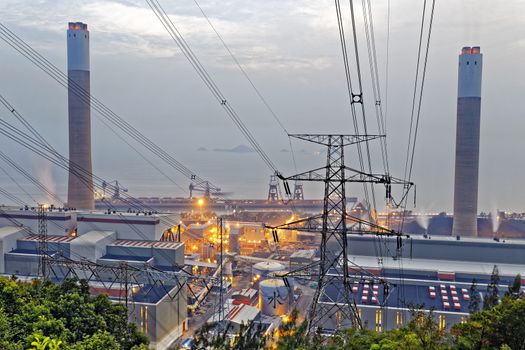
[467, 142]
[80, 192]
[433, 272]
[237, 315]
[300, 259]
[109, 240]
[246, 296]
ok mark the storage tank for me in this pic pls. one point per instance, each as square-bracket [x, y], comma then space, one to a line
[274, 297]
[265, 269]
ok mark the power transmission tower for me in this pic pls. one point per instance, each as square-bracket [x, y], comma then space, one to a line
[333, 306]
[298, 194]
[273, 190]
[42, 233]
[221, 274]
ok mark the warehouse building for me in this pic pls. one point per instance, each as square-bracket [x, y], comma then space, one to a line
[427, 274]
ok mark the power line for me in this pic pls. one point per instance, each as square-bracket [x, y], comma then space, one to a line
[56, 74]
[387, 61]
[416, 82]
[411, 147]
[374, 74]
[355, 97]
[11, 197]
[30, 177]
[421, 90]
[18, 184]
[152, 273]
[172, 30]
[360, 85]
[53, 156]
[245, 74]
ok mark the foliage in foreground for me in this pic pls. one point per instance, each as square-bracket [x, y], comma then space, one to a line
[62, 317]
[500, 327]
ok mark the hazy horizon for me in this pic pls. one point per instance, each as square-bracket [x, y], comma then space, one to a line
[293, 55]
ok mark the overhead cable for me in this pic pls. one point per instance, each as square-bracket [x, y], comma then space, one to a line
[110, 116]
[203, 74]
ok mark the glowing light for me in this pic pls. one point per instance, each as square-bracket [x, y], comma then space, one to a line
[200, 202]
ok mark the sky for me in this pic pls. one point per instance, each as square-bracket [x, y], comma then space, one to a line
[291, 51]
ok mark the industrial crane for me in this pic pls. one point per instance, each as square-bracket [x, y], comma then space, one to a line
[206, 188]
[115, 186]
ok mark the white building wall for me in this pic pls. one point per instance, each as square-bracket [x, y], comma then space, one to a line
[58, 223]
[91, 245]
[126, 226]
[8, 237]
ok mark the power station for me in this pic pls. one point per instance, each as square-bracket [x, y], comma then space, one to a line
[326, 261]
[467, 142]
[80, 192]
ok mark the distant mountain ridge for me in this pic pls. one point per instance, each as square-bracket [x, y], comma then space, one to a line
[237, 149]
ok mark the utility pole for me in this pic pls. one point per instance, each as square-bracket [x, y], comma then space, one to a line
[333, 305]
[221, 273]
[124, 281]
[42, 235]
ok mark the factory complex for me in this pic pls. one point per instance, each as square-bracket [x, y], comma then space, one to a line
[216, 261]
[434, 273]
[105, 240]
[127, 257]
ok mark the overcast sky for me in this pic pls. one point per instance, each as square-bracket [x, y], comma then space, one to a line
[292, 52]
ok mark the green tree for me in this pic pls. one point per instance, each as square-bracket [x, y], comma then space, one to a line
[97, 341]
[515, 288]
[46, 314]
[421, 332]
[492, 297]
[45, 343]
[211, 336]
[292, 334]
[250, 336]
[475, 299]
[501, 326]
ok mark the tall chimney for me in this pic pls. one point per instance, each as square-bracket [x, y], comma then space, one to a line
[80, 193]
[467, 142]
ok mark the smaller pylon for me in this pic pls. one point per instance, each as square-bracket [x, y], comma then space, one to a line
[42, 234]
[298, 194]
[273, 190]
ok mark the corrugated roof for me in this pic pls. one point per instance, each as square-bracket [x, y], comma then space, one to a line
[241, 313]
[303, 253]
[245, 292]
[436, 265]
[146, 244]
[50, 238]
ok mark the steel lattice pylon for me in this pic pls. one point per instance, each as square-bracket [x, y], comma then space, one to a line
[42, 244]
[333, 306]
[333, 270]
